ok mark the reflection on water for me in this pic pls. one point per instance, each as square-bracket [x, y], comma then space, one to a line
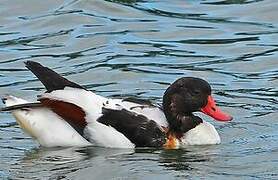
[56, 162]
[109, 163]
[121, 48]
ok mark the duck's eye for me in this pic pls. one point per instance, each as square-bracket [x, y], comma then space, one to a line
[196, 92]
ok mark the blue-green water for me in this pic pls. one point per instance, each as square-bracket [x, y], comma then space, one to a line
[136, 48]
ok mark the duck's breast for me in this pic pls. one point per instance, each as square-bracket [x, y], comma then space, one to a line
[203, 134]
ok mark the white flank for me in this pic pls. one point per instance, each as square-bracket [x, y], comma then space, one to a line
[45, 126]
[107, 136]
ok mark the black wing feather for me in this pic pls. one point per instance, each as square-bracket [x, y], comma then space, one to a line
[49, 78]
[137, 128]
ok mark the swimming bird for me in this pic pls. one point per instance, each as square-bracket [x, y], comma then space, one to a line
[68, 114]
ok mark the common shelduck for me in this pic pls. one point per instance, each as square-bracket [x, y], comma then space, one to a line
[67, 114]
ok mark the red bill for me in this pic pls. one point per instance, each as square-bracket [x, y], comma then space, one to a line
[215, 112]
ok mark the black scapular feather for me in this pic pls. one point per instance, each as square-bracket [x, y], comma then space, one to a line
[140, 130]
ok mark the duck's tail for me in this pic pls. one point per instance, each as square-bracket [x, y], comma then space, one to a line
[14, 103]
[49, 78]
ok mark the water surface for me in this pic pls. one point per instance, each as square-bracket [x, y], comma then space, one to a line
[123, 48]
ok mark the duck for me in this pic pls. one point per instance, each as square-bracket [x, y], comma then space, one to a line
[67, 114]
